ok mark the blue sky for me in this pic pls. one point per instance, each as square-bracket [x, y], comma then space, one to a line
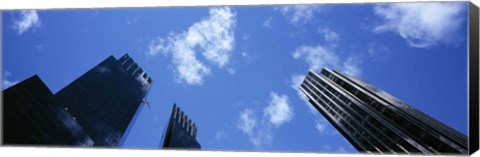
[235, 70]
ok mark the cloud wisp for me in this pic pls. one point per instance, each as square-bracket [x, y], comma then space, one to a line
[257, 132]
[260, 131]
[278, 111]
[268, 23]
[422, 25]
[323, 55]
[213, 38]
[247, 121]
[29, 19]
[318, 57]
[299, 14]
[378, 51]
[220, 135]
[296, 80]
[329, 35]
[6, 82]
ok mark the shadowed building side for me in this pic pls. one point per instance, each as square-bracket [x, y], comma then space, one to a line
[181, 132]
[374, 121]
[32, 117]
[93, 110]
[105, 99]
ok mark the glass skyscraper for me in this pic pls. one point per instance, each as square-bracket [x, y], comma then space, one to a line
[373, 121]
[99, 104]
[31, 116]
[181, 132]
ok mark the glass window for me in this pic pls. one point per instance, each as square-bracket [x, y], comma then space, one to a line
[422, 135]
[384, 129]
[149, 80]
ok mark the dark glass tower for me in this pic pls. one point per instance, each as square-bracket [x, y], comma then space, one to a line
[374, 121]
[32, 117]
[181, 132]
[105, 99]
[95, 109]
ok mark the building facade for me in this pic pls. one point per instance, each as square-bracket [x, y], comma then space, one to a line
[181, 132]
[31, 116]
[374, 121]
[101, 102]
[104, 99]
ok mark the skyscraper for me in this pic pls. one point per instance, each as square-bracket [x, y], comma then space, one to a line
[105, 99]
[100, 103]
[181, 132]
[374, 121]
[31, 116]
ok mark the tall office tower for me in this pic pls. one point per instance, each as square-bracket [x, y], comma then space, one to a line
[105, 99]
[374, 121]
[32, 117]
[181, 132]
[93, 110]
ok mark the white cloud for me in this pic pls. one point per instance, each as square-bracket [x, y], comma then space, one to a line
[350, 67]
[296, 81]
[321, 127]
[244, 48]
[246, 56]
[6, 82]
[159, 45]
[263, 136]
[299, 14]
[422, 25]
[247, 121]
[260, 132]
[231, 71]
[278, 110]
[130, 20]
[268, 22]
[329, 35]
[258, 135]
[375, 49]
[220, 135]
[318, 57]
[212, 37]
[28, 20]
[378, 51]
